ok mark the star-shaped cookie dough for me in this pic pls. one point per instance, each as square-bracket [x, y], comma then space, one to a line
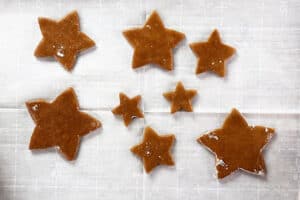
[154, 149]
[128, 108]
[237, 145]
[153, 43]
[62, 40]
[212, 54]
[180, 98]
[60, 123]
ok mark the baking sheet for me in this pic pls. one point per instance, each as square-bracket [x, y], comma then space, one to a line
[262, 81]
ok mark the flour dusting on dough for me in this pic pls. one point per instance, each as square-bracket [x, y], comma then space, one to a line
[211, 136]
[35, 107]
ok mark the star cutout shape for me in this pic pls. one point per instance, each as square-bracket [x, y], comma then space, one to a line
[154, 149]
[212, 54]
[62, 40]
[128, 108]
[237, 145]
[153, 43]
[180, 98]
[60, 123]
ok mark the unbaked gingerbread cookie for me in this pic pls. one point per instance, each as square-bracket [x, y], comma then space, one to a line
[128, 108]
[62, 40]
[237, 145]
[60, 123]
[212, 54]
[155, 149]
[181, 98]
[153, 43]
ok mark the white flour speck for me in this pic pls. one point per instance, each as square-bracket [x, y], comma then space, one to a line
[222, 163]
[211, 136]
[260, 172]
[35, 107]
[266, 130]
[60, 53]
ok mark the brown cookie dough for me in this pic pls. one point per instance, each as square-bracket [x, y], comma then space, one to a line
[60, 123]
[212, 54]
[154, 149]
[180, 98]
[62, 40]
[237, 145]
[153, 43]
[128, 108]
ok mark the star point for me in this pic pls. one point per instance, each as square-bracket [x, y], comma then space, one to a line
[153, 43]
[237, 145]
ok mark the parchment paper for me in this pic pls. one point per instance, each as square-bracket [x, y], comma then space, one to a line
[262, 81]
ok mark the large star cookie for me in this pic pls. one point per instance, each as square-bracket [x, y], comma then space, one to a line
[154, 149]
[60, 123]
[62, 40]
[237, 145]
[180, 98]
[212, 54]
[153, 43]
